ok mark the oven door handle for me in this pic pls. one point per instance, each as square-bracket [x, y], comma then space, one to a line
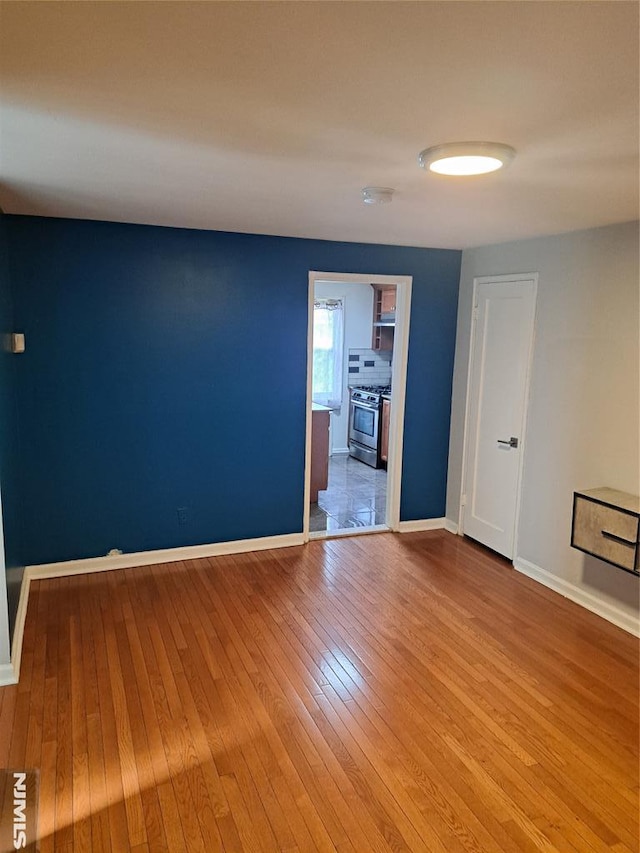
[371, 407]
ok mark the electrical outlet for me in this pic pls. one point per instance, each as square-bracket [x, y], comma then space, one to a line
[183, 514]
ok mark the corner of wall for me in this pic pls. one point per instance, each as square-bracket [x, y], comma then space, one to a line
[9, 481]
[458, 395]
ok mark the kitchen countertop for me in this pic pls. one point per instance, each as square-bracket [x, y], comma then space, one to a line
[317, 407]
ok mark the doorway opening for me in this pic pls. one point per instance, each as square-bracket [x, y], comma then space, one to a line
[357, 360]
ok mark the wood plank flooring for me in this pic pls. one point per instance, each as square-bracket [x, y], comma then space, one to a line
[403, 693]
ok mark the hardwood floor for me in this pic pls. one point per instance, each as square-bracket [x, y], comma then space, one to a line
[374, 693]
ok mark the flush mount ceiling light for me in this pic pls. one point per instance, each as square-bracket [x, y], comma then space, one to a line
[377, 195]
[466, 158]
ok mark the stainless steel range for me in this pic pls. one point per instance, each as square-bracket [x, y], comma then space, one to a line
[364, 423]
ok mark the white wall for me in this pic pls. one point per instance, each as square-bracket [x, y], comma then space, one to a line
[582, 424]
[358, 317]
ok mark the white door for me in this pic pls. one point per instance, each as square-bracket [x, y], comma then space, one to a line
[502, 338]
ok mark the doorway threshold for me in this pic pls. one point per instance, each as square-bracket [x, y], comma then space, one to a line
[349, 531]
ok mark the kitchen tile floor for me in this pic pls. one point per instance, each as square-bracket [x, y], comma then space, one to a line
[356, 497]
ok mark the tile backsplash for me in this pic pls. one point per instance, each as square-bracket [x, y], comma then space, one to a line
[369, 367]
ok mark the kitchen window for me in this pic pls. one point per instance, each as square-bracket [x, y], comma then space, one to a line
[328, 347]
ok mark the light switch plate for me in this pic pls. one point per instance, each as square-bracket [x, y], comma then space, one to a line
[17, 342]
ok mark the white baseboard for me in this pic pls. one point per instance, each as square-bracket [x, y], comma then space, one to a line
[420, 525]
[166, 555]
[575, 593]
[18, 628]
[340, 451]
[451, 526]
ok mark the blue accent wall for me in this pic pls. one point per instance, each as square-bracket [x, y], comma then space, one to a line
[162, 392]
[9, 455]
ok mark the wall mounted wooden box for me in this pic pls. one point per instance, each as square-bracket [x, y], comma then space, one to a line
[605, 525]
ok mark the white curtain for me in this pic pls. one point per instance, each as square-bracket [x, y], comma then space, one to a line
[328, 345]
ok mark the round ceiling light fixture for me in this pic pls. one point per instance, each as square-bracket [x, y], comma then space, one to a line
[466, 158]
[377, 195]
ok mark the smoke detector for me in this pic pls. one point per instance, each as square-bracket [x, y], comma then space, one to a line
[377, 195]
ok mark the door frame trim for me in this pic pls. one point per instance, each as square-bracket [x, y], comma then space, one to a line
[403, 284]
[497, 279]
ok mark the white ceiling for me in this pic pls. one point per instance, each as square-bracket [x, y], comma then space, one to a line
[270, 117]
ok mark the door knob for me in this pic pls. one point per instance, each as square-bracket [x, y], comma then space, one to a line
[512, 442]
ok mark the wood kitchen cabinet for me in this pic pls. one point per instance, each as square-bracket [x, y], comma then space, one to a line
[384, 430]
[387, 297]
[319, 450]
[384, 317]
